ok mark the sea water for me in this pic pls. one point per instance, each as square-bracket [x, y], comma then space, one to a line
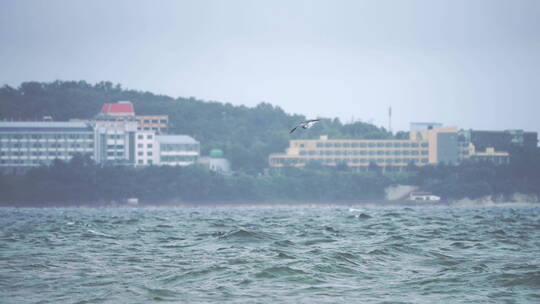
[271, 255]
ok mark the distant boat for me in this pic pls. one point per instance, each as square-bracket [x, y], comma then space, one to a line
[424, 196]
[132, 201]
[305, 124]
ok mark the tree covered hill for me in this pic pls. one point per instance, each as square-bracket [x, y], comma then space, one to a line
[246, 135]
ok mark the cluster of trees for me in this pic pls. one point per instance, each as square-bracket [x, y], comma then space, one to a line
[246, 135]
[80, 180]
[475, 180]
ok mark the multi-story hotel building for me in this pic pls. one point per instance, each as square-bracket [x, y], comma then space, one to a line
[427, 145]
[115, 136]
[24, 144]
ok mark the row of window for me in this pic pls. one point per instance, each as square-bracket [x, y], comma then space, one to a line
[148, 136]
[370, 145]
[179, 147]
[178, 158]
[149, 153]
[45, 145]
[44, 154]
[117, 147]
[141, 162]
[46, 136]
[150, 129]
[147, 121]
[110, 153]
[405, 160]
[363, 152]
[140, 146]
[115, 136]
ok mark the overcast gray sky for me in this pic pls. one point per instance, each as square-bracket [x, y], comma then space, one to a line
[474, 64]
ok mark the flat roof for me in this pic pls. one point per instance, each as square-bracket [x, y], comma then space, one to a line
[44, 126]
[176, 139]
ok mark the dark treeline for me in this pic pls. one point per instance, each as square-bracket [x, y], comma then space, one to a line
[246, 135]
[475, 180]
[80, 180]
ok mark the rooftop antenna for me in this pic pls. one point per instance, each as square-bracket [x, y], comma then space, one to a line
[390, 119]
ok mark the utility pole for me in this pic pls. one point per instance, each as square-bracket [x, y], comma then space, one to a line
[390, 119]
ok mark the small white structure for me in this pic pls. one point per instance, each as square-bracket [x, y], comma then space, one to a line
[216, 162]
[424, 196]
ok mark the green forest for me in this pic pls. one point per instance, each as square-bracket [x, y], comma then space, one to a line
[247, 136]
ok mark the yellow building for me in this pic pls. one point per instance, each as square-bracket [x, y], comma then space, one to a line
[156, 123]
[425, 146]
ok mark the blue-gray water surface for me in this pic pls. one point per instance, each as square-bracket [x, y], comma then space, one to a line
[270, 255]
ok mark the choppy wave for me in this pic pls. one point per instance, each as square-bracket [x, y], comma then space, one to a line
[469, 254]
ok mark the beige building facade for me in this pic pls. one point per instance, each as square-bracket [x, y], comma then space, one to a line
[424, 146]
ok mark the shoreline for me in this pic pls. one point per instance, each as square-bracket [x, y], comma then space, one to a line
[274, 204]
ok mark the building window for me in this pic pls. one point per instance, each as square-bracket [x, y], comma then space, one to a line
[149, 136]
[149, 145]
[140, 145]
[140, 136]
[140, 153]
[149, 153]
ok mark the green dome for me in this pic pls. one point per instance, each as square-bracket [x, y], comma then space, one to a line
[216, 153]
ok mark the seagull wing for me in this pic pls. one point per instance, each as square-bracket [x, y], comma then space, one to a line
[312, 120]
[293, 129]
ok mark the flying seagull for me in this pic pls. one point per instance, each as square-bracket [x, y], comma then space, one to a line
[305, 124]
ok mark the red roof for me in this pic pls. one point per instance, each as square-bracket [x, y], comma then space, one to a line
[117, 109]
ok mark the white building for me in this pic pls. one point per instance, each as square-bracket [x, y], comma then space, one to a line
[177, 150]
[115, 142]
[146, 148]
[26, 144]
